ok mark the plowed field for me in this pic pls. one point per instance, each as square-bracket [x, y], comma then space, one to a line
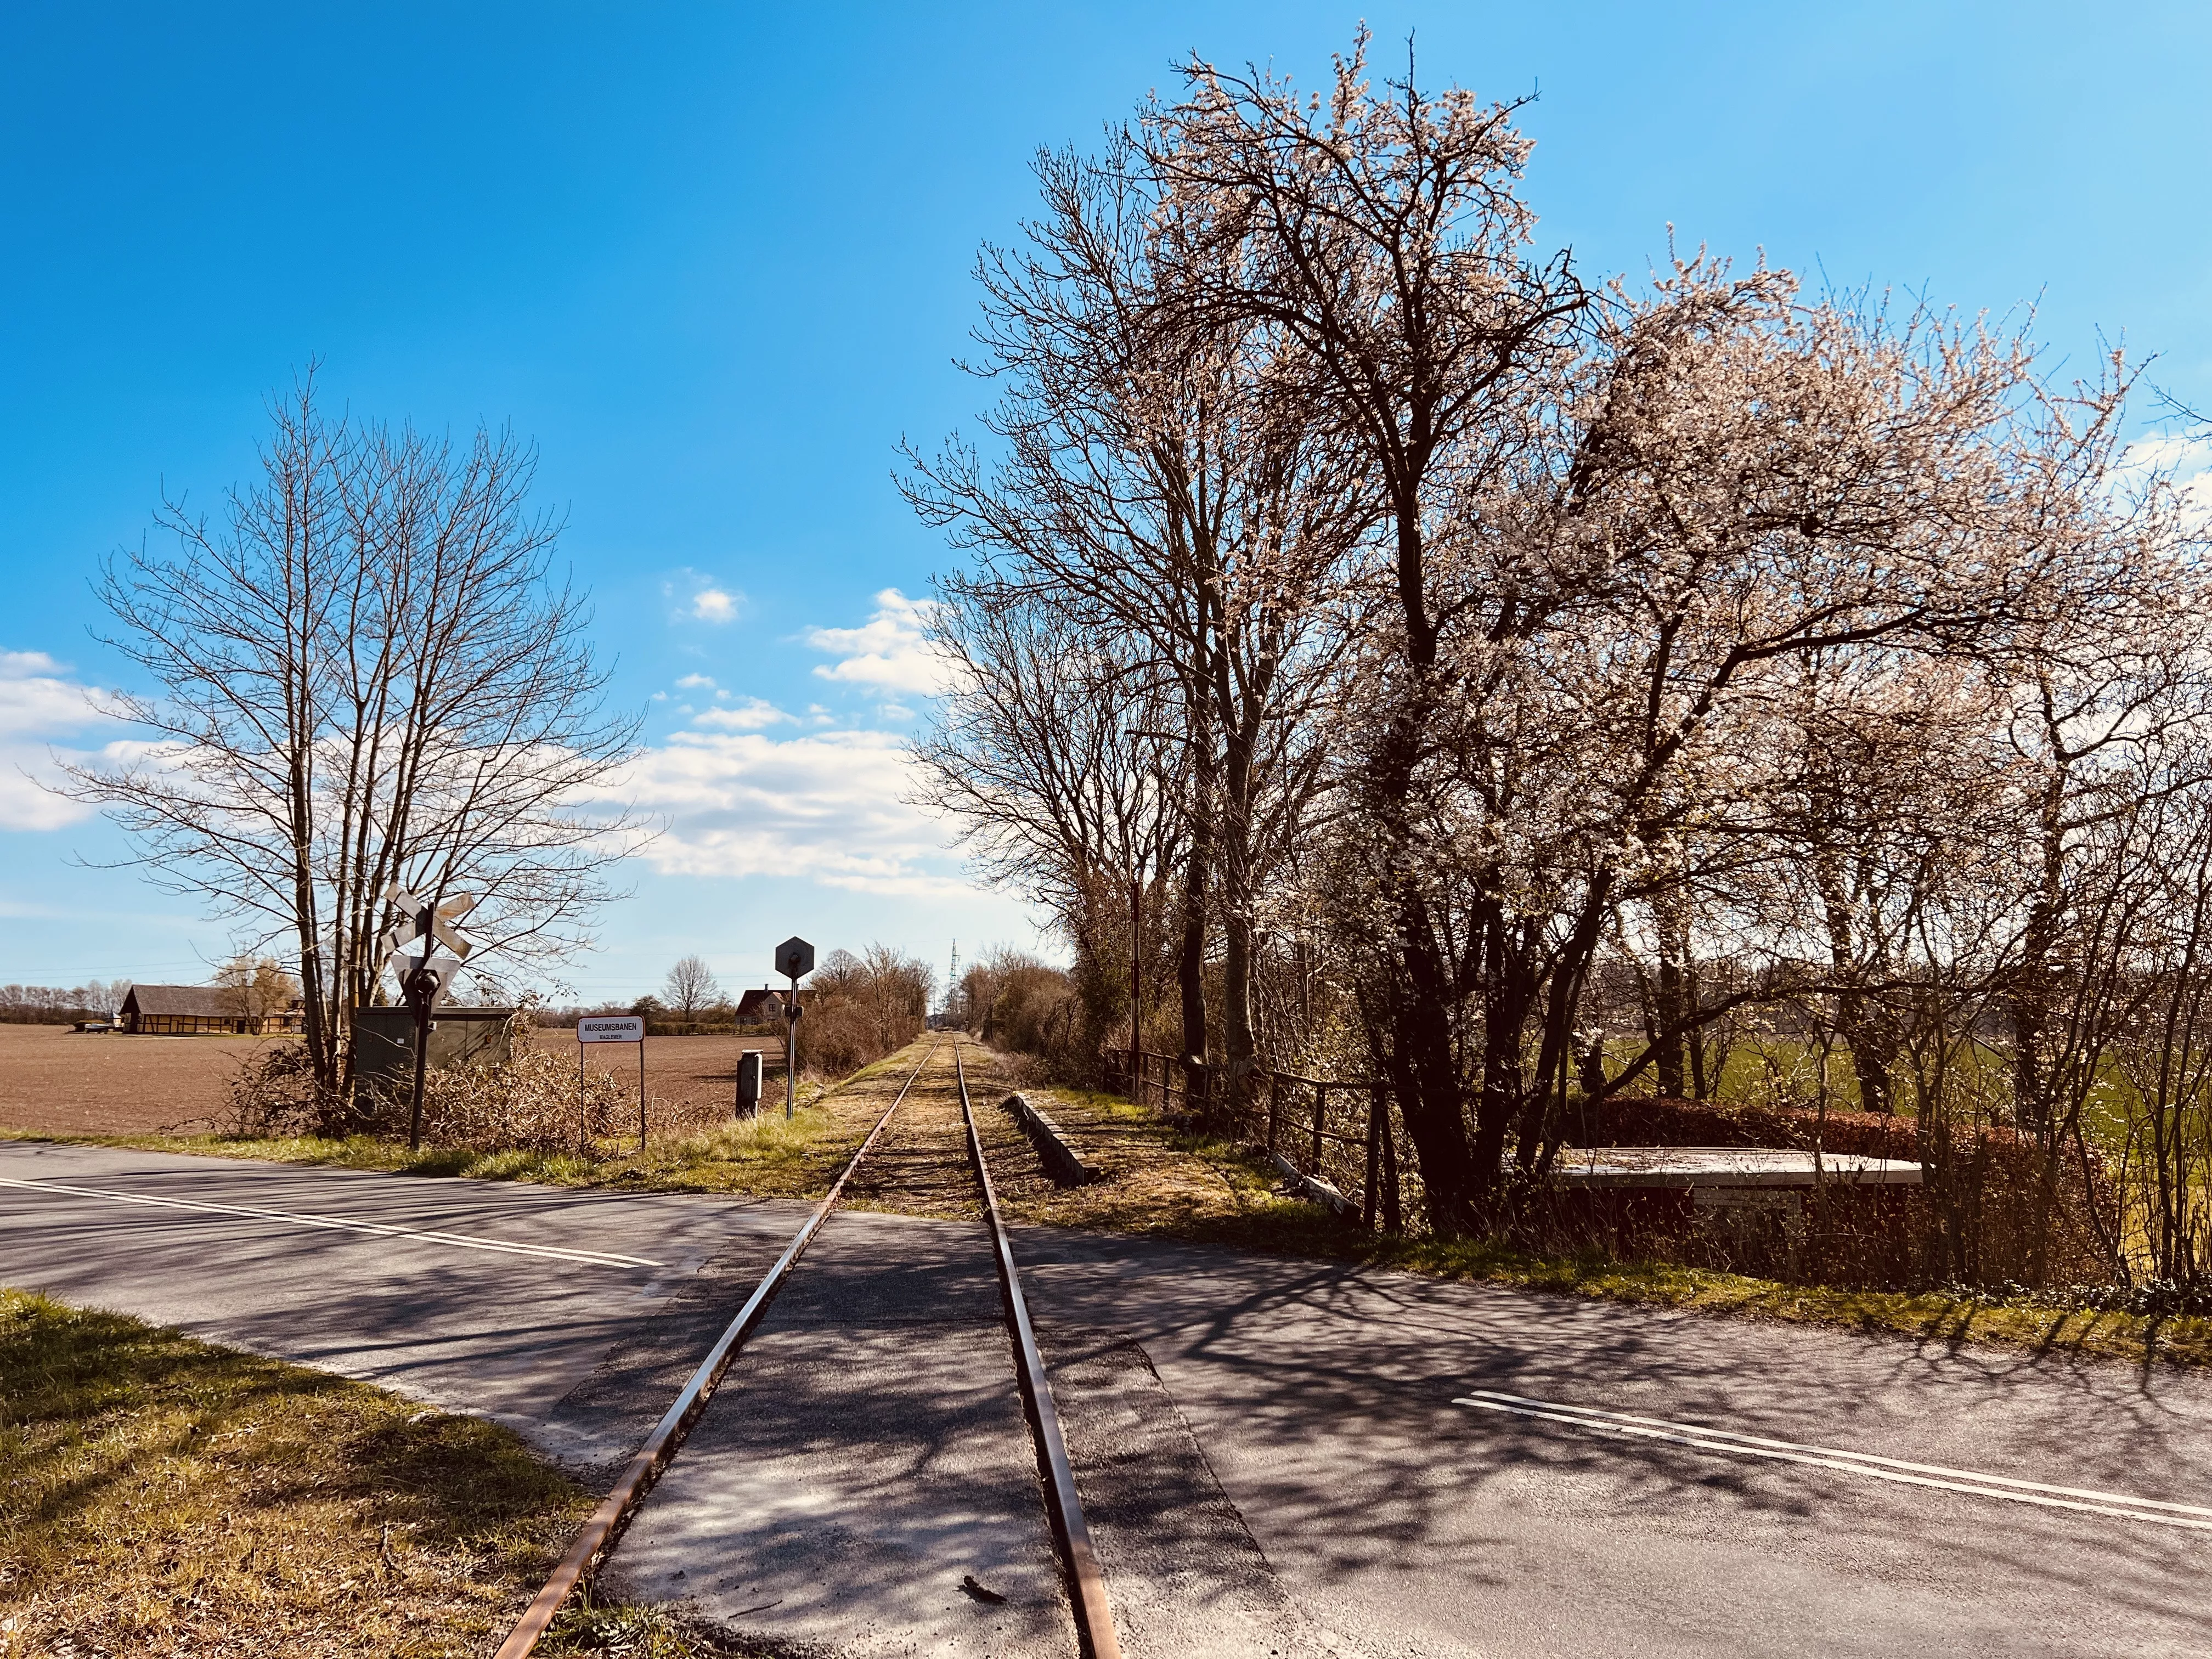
[57, 1080]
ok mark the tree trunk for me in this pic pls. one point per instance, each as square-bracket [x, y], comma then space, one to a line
[1671, 1012]
[1190, 956]
[2033, 989]
[1239, 1046]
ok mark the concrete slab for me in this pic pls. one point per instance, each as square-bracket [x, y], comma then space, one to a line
[1725, 1166]
[1182, 1569]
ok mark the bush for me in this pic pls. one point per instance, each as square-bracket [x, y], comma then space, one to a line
[528, 1102]
[274, 1094]
[1034, 1012]
[1027, 1008]
[860, 1008]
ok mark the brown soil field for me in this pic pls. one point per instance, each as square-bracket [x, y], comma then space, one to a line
[71, 1083]
[698, 1071]
[63, 1082]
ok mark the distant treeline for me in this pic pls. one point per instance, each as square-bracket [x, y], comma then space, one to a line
[55, 1004]
[859, 1008]
[659, 1019]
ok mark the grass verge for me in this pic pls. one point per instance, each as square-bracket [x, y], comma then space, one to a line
[164, 1495]
[1948, 1317]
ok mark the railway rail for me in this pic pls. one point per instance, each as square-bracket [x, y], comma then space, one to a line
[1070, 1536]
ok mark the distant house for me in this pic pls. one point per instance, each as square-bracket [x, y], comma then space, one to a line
[764, 1006]
[194, 1010]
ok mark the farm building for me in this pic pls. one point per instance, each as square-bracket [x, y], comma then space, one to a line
[194, 1010]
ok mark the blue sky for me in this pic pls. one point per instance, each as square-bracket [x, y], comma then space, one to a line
[714, 260]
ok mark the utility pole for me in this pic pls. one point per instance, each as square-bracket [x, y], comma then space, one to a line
[419, 986]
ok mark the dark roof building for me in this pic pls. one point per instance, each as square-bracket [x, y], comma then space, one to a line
[195, 1010]
[764, 1006]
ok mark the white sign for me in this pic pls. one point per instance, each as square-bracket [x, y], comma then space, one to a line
[627, 1028]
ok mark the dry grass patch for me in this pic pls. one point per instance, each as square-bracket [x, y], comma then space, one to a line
[1159, 1180]
[766, 1157]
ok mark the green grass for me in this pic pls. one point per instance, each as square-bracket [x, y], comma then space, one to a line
[1947, 1317]
[160, 1494]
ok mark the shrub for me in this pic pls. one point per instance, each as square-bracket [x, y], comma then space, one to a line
[860, 1008]
[274, 1094]
[527, 1102]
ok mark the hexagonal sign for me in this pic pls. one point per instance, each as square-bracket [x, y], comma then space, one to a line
[794, 958]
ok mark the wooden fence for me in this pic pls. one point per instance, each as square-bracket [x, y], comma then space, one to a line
[1338, 1131]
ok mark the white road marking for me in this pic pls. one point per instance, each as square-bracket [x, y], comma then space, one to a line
[345, 1224]
[1971, 1481]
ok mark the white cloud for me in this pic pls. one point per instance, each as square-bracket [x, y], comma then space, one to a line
[751, 715]
[38, 705]
[890, 649]
[825, 806]
[695, 683]
[695, 596]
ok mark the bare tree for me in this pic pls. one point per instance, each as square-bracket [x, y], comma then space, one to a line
[1158, 485]
[256, 987]
[690, 986]
[368, 676]
[859, 1008]
[1056, 751]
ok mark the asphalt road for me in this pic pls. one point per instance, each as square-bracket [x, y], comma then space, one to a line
[1315, 1458]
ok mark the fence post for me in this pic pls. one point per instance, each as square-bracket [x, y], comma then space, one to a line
[1321, 1109]
[1374, 1166]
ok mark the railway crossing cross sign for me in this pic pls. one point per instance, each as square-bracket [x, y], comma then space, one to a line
[411, 945]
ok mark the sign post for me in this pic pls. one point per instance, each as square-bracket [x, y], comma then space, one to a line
[794, 960]
[426, 975]
[614, 1028]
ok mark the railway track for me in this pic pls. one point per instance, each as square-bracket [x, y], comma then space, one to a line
[895, 1157]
